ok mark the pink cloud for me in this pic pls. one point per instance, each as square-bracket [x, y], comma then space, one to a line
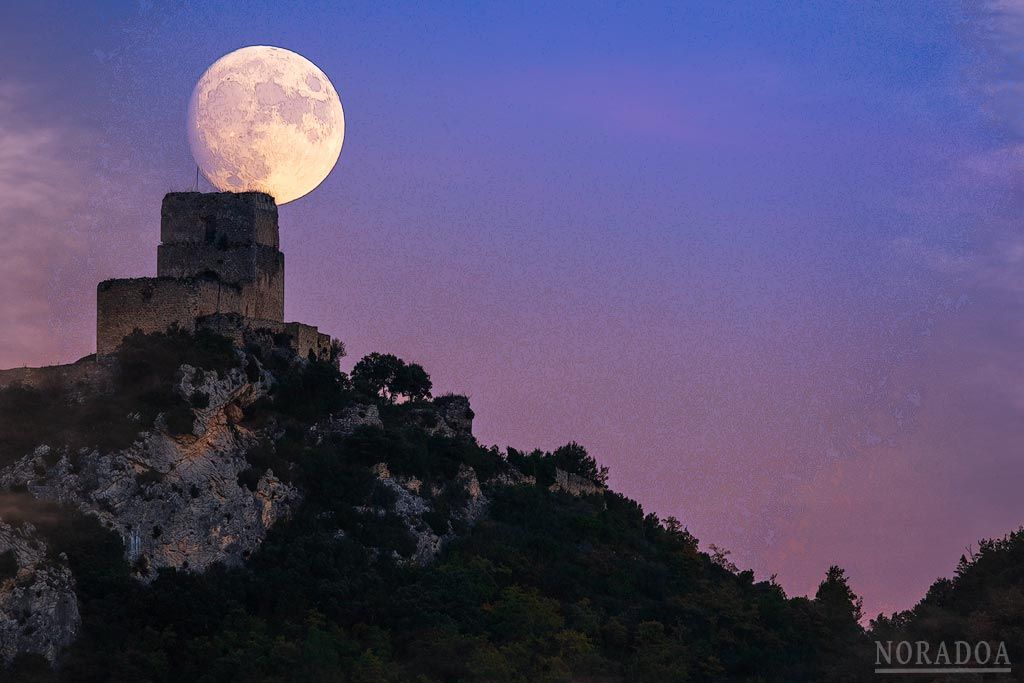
[41, 192]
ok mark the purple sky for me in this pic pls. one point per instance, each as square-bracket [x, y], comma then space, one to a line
[765, 263]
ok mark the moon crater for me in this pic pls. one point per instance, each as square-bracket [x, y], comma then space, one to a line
[265, 119]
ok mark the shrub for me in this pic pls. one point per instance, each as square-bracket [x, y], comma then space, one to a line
[573, 458]
[8, 565]
[154, 358]
[309, 391]
[148, 477]
[24, 413]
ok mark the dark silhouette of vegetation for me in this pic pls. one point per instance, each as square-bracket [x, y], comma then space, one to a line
[571, 458]
[443, 401]
[575, 459]
[837, 599]
[309, 391]
[389, 377]
[8, 565]
[143, 374]
[545, 587]
[983, 602]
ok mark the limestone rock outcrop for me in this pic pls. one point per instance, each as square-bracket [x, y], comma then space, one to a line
[448, 416]
[189, 500]
[177, 501]
[411, 504]
[345, 422]
[456, 416]
[574, 484]
[38, 607]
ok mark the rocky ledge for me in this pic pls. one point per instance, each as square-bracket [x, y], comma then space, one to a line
[194, 483]
[38, 608]
[176, 500]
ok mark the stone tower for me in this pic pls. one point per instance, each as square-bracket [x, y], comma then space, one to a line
[232, 238]
[218, 266]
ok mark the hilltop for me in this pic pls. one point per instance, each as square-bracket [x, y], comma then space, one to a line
[202, 510]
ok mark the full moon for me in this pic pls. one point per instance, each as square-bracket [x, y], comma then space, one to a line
[265, 119]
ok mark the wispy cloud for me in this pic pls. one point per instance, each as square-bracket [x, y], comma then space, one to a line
[990, 251]
[40, 193]
[994, 71]
[995, 34]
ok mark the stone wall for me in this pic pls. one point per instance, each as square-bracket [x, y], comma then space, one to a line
[233, 264]
[233, 237]
[83, 377]
[264, 296]
[155, 304]
[242, 330]
[226, 218]
[256, 269]
[306, 338]
[219, 256]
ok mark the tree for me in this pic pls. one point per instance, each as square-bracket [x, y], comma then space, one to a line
[413, 382]
[837, 600]
[574, 458]
[389, 377]
[842, 652]
[375, 374]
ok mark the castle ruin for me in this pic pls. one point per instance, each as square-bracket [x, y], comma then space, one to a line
[219, 267]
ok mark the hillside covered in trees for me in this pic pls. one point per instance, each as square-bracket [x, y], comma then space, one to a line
[401, 549]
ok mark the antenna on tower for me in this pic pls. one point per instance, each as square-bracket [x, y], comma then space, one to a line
[196, 188]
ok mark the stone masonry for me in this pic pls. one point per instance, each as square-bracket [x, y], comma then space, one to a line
[219, 258]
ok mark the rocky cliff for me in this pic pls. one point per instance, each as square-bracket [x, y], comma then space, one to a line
[176, 500]
[197, 486]
[38, 606]
[200, 508]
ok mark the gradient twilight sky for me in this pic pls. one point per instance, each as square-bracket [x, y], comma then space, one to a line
[765, 263]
